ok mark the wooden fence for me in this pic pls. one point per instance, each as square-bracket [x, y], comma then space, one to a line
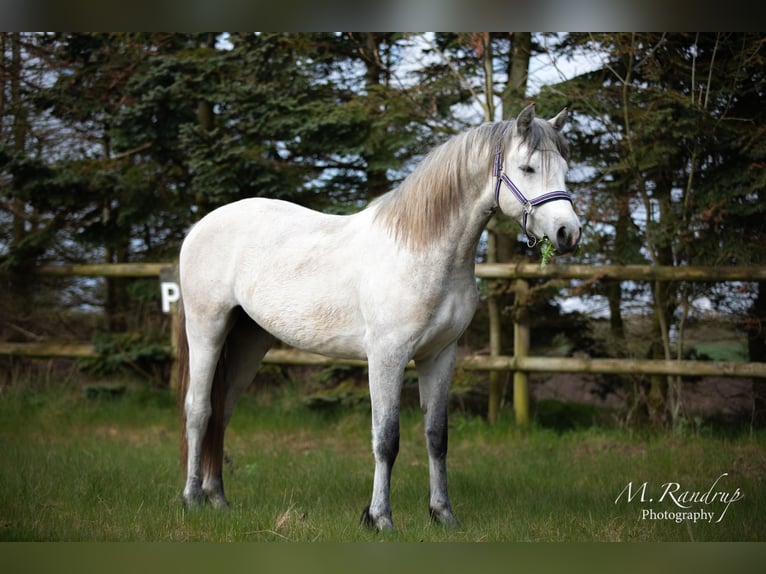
[521, 363]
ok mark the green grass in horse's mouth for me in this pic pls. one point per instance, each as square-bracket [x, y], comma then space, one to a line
[546, 251]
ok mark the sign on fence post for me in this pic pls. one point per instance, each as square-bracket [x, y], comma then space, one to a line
[171, 293]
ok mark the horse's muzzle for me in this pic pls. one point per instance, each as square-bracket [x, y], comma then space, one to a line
[567, 239]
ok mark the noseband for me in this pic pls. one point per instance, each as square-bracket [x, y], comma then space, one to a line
[527, 204]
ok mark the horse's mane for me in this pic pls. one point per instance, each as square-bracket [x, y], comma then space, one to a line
[421, 207]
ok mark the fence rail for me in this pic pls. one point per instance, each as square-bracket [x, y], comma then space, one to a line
[483, 271]
[520, 364]
[133, 270]
[620, 272]
[468, 363]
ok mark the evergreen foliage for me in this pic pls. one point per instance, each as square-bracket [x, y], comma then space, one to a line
[113, 144]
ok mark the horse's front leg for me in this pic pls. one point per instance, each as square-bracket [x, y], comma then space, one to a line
[434, 377]
[385, 389]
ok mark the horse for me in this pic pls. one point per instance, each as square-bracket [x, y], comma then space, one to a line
[391, 283]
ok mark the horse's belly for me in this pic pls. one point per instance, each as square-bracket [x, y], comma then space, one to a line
[322, 328]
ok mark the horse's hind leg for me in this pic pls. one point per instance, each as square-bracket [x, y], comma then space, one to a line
[205, 341]
[246, 345]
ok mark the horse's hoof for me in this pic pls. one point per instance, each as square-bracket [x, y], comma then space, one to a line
[219, 502]
[443, 517]
[216, 497]
[194, 501]
[382, 523]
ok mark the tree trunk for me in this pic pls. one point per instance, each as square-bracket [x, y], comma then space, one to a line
[756, 346]
[19, 293]
[375, 75]
[4, 39]
[116, 303]
[664, 307]
[518, 71]
[502, 246]
[19, 131]
[614, 288]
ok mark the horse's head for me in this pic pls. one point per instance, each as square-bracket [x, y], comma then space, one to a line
[530, 186]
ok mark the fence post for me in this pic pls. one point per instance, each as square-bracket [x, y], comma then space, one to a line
[495, 388]
[495, 385]
[521, 349]
[169, 276]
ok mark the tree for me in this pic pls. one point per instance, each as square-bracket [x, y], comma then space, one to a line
[106, 189]
[24, 138]
[671, 122]
[154, 130]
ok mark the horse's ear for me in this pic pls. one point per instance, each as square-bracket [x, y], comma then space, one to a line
[524, 119]
[559, 121]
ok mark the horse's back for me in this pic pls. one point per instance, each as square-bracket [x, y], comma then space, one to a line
[330, 284]
[258, 215]
[245, 230]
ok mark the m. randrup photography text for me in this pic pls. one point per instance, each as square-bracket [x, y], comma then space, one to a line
[693, 504]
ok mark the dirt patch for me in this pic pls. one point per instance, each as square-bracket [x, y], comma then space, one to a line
[730, 398]
[584, 389]
[134, 437]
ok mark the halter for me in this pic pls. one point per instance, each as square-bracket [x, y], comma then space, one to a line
[527, 204]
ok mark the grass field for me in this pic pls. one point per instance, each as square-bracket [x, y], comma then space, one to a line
[80, 468]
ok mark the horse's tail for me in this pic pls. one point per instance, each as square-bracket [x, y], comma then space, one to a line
[181, 344]
[212, 444]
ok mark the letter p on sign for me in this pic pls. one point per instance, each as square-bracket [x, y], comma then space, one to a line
[170, 294]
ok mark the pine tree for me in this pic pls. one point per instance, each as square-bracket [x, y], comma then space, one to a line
[673, 136]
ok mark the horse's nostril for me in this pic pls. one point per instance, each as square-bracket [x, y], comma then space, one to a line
[566, 241]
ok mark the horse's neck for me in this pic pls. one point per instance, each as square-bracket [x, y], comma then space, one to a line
[466, 230]
[456, 247]
[477, 207]
[440, 210]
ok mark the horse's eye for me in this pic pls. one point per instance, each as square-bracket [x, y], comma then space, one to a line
[527, 168]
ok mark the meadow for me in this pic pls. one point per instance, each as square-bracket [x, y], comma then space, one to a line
[77, 466]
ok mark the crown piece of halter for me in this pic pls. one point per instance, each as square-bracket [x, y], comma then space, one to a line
[528, 205]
